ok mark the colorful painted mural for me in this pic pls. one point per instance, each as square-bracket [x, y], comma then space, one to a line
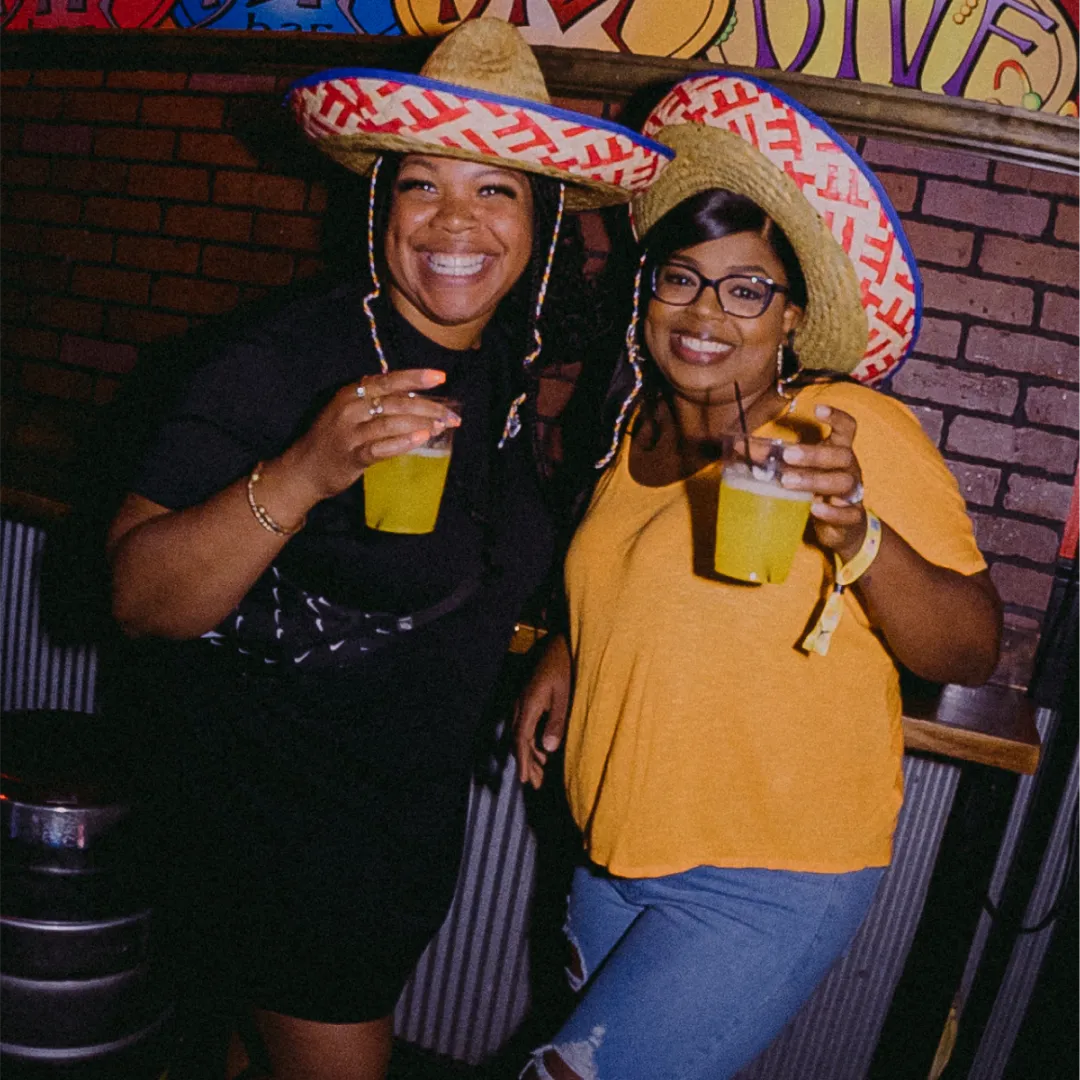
[1019, 53]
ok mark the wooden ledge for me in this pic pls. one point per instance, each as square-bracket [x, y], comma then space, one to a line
[990, 725]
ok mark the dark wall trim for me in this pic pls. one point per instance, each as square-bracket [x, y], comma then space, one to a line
[994, 131]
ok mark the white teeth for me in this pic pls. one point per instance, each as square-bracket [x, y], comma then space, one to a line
[699, 345]
[456, 265]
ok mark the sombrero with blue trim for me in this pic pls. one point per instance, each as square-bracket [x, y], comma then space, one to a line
[480, 96]
[737, 132]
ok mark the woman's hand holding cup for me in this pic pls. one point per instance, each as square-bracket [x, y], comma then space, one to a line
[831, 471]
[380, 417]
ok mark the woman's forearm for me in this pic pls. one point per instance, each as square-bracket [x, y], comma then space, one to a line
[942, 625]
[177, 574]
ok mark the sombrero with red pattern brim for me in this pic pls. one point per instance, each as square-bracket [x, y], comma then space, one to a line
[737, 132]
[480, 96]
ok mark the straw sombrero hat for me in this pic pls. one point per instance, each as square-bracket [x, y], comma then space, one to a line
[480, 95]
[739, 133]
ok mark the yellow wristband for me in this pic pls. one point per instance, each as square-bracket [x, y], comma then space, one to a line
[848, 573]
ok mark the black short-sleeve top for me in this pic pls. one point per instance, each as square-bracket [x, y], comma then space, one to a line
[255, 396]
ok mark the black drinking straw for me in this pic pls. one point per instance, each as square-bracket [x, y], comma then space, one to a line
[745, 429]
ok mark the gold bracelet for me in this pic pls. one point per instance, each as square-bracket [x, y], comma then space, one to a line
[848, 573]
[262, 515]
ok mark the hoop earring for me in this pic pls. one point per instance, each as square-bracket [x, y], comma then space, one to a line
[376, 288]
[633, 354]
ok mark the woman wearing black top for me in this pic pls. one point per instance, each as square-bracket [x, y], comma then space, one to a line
[322, 681]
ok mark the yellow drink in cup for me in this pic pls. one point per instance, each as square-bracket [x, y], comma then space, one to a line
[759, 523]
[402, 494]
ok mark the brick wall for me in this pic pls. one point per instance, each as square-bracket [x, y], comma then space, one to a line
[139, 204]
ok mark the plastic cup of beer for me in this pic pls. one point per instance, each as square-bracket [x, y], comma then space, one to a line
[402, 494]
[759, 523]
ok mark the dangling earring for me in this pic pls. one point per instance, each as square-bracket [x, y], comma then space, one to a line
[512, 424]
[376, 288]
[783, 382]
[633, 354]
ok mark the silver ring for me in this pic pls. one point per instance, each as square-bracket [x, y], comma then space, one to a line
[855, 496]
[361, 392]
[376, 408]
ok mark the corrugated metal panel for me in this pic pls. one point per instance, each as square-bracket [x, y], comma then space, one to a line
[36, 673]
[1016, 988]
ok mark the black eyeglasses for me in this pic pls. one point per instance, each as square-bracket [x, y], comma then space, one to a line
[746, 296]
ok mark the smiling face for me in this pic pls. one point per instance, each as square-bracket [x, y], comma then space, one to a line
[700, 349]
[458, 238]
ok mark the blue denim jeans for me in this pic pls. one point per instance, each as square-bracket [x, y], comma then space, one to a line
[692, 975]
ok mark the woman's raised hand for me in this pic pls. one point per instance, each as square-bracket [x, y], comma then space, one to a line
[548, 691]
[379, 417]
[831, 471]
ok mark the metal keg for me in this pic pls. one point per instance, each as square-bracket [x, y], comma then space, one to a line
[80, 989]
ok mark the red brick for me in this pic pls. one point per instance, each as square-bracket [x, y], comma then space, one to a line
[996, 301]
[107, 106]
[923, 159]
[66, 77]
[88, 175]
[48, 274]
[978, 484]
[1030, 179]
[258, 267]
[122, 214]
[1060, 314]
[196, 297]
[12, 79]
[932, 420]
[58, 139]
[308, 267]
[936, 244]
[102, 355]
[1033, 262]
[19, 171]
[1025, 354]
[173, 110]
[134, 324]
[1053, 406]
[277, 230]
[146, 80]
[1021, 586]
[156, 253]
[16, 306]
[30, 341]
[232, 84]
[901, 188]
[947, 386]
[588, 106]
[318, 198]
[938, 337]
[103, 284]
[81, 245]
[20, 236]
[1065, 224]
[31, 104]
[44, 206]
[215, 150]
[169, 182]
[58, 382]
[207, 222]
[258, 189]
[1038, 497]
[1003, 443]
[151, 145]
[1008, 536]
[79, 315]
[1022, 214]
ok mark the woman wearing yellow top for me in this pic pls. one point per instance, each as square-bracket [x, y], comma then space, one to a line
[733, 760]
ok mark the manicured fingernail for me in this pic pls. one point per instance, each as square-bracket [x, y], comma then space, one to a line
[823, 411]
[453, 419]
[419, 437]
[432, 377]
[549, 742]
[793, 454]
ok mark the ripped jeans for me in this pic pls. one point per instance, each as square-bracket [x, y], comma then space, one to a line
[692, 975]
